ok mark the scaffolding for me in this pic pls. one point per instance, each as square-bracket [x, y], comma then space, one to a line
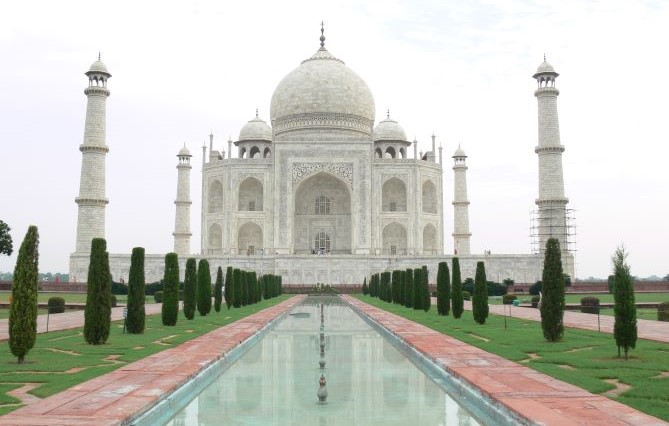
[552, 221]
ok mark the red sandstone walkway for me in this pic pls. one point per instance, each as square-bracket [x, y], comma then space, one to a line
[116, 396]
[646, 329]
[531, 395]
[72, 319]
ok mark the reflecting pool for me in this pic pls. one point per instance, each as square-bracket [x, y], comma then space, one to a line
[368, 380]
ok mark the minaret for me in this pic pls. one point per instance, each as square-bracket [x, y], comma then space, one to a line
[182, 232]
[461, 234]
[552, 201]
[91, 200]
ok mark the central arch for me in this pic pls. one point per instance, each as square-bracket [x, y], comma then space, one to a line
[249, 238]
[394, 239]
[322, 207]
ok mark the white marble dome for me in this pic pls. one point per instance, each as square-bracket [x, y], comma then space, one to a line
[256, 129]
[322, 93]
[389, 130]
[545, 67]
[459, 153]
[98, 67]
[184, 152]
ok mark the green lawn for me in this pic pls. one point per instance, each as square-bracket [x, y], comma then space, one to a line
[603, 297]
[43, 297]
[63, 359]
[584, 358]
[4, 313]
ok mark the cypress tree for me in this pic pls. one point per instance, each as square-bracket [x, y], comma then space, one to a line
[443, 289]
[280, 285]
[203, 287]
[253, 293]
[364, 286]
[228, 286]
[97, 314]
[265, 286]
[385, 284]
[458, 303]
[170, 311]
[552, 301]
[403, 276]
[416, 290]
[427, 298]
[245, 288]
[480, 302]
[236, 288]
[23, 309]
[136, 313]
[372, 286]
[624, 328]
[190, 288]
[218, 290]
[396, 286]
[408, 288]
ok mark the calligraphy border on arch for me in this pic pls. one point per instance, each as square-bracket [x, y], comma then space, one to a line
[302, 171]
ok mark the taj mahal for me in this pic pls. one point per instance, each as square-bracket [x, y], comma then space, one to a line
[323, 193]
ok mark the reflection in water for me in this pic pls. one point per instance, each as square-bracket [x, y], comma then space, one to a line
[368, 381]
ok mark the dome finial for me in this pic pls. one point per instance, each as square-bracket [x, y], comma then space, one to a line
[544, 57]
[322, 34]
[256, 112]
[99, 56]
[388, 113]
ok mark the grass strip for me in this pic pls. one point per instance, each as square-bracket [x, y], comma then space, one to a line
[584, 358]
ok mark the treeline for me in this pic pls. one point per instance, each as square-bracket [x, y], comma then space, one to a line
[402, 287]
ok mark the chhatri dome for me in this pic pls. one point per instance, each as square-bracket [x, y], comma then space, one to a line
[256, 130]
[322, 93]
[98, 67]
[545, 68]
[389, 130]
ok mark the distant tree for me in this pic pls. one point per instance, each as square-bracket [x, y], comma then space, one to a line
[480, 302]
[408, 288]
[425, 290]
[456, 294]
[624, 328]
[23, 308]
[190, 288]
[364, 287]
[218, 290]
[385, 286]
[203, 287]
[136, 312]
[508, 281]
[97, 314]
[416, 290]
[170, 309]
[5, 239]
[443, 289]
[228, 287]
[536, 288]
[236, 288]
[611, 281]
[552, 301]
[395, 286]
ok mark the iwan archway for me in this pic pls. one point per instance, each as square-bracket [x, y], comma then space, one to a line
[322, 219]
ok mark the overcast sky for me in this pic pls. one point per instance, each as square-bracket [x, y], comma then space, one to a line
[462, 70]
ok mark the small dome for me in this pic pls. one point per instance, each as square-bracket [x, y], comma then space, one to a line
[459, 153]
[256, 129]
[389, 130]
[545, 68]
[98, 67]
[184, 152]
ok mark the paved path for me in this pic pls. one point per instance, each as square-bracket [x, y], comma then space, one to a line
[112, 399]
[72, 319]
[646, 329]
[532, 396]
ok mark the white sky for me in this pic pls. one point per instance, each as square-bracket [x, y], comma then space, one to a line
[181, 69]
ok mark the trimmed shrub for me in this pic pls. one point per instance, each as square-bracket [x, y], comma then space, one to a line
[151, 288]
[119, 288]
[365, 291]
[535, 288]
[190, 288]
[229, 287]
[480, 303]
[590, 305]
[624, 328]
[218, 290]
[386, 295]
[170, 309]
[236, 288]
[135, 321]
[416, 299]
[245, 288]
[408, 288]
[443, 289]
[468, 285]
[663, 311]
[395, 286]
[425, 290]
[508, 299]
[56, 305]
[203, 287]
[457, 295]
[23, 305]
[113, 301]
[97, 314]
[535, 301]
[158, 296]
[466, 295]
[496, 289]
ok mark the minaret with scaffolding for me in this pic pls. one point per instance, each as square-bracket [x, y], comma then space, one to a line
[553, 219]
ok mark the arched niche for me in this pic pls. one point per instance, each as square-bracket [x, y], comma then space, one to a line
[394, 196]
[215, 240]
[322, 204]
[429, 197]
[215, 197]
[430, 239]
[250, 195]
[267, 153]
[249, 238]
[255, 152]
[394, 239]
[378, 153]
